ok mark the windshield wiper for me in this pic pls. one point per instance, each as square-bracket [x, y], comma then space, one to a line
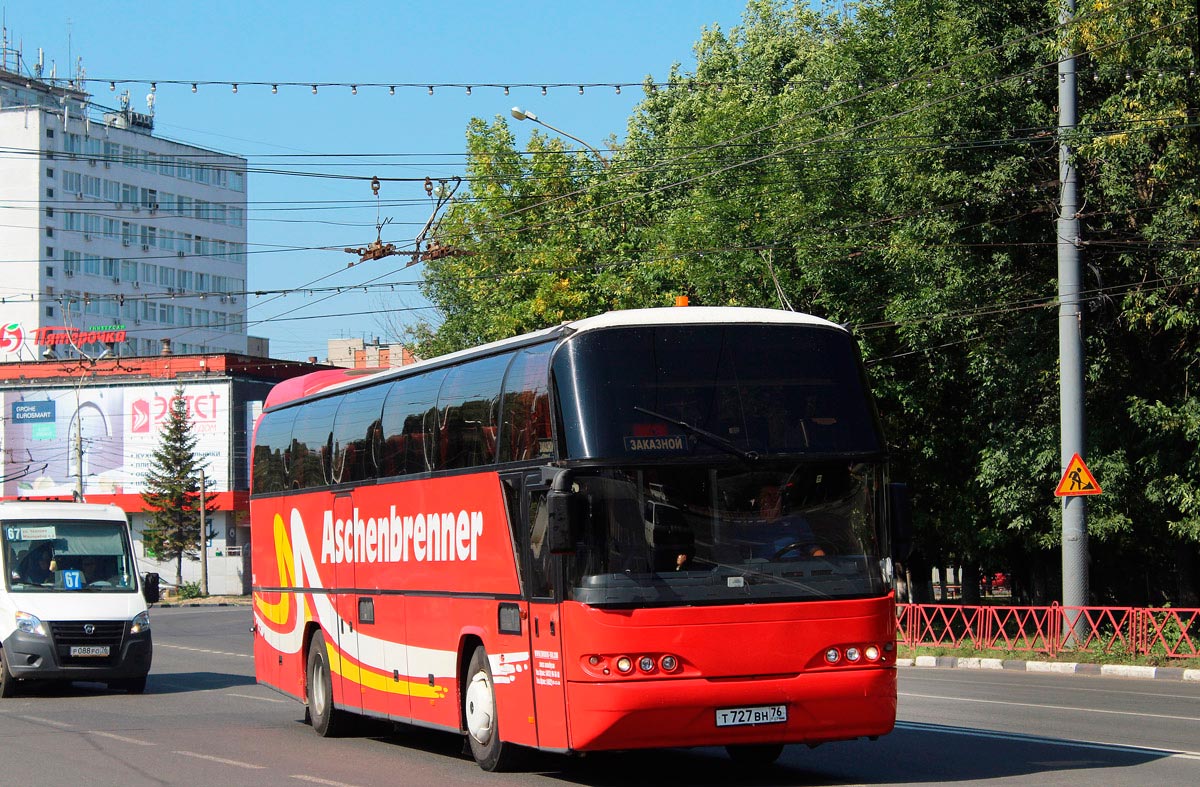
[715, 439]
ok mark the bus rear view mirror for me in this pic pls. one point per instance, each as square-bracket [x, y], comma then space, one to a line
[562, 508]
[150, 588]
[900, 524]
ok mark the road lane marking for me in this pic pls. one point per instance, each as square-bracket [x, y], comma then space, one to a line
[1126, 748]
[1053, 707]
[121, 738]
[260, 699]
[204, 650]
[51, 722]
[315, 780]
[222, 760]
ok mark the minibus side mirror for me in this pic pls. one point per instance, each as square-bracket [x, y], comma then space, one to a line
[150, 588]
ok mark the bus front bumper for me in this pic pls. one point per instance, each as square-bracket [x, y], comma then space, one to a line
[821, 706]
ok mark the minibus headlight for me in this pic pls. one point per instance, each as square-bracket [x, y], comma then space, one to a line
[30, 624]
[141, 623]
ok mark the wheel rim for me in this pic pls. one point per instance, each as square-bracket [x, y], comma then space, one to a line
[317, 689]
[480, 708]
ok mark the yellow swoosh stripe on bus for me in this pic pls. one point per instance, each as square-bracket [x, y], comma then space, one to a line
[370, 679]
[279, 612]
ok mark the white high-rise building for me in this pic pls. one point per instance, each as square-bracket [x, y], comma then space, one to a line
[112, 238]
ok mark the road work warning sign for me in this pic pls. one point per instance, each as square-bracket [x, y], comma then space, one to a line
[1077, 480]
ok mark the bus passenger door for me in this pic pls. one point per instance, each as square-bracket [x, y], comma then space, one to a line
[345, 604]
[545, 629]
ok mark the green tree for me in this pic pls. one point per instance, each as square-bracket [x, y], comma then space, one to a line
[894, 167]
[173, 490]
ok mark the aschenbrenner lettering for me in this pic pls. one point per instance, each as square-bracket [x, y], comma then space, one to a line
[422, 538]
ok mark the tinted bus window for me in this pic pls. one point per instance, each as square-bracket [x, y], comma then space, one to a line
[702, 390]
[410, 425]
[270, 451]
[357, 434]
[525, 433]
[312, 439]
[467, 410]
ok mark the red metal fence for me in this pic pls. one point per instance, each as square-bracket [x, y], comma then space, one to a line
[1135, 631]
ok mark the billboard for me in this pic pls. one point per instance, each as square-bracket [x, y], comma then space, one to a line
[108, 434]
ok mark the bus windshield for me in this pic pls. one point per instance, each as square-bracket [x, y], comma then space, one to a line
[729, 533]
[69, 557]
[683, 393]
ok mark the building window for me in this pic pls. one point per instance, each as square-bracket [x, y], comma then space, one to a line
[49, 133]
[49, 232]
[49, 212]
[49, 193]
[49, 251]
[50, 271]
[49, 172]
[49, 311]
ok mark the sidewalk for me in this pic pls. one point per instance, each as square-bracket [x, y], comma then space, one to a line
[207, 601]
[1071, 668]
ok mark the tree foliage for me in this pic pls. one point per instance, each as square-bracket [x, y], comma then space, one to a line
[173, 491]
[894, 166]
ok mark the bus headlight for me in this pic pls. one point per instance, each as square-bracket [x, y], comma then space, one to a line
[30, 624]
[624, 665]
[141, 623]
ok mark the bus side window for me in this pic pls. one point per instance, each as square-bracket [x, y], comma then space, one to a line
[404, 424]
[525, 407]
[466, 412]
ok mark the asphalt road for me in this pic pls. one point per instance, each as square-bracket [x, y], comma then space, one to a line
[204, 720]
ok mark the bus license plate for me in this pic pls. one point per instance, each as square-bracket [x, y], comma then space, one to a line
[89, 650]
[766, 714]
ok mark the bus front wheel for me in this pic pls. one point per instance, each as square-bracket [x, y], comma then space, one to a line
[326, 720]
[479, 711]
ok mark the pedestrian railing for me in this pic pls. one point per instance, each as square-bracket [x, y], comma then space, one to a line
[1136, 631]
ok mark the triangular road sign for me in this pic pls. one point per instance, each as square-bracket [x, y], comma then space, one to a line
[1077, 480]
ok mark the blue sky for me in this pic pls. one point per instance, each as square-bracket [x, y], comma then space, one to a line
[293, 219]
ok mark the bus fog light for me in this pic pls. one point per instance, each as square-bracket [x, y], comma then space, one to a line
[646, 664]
[833, 656]
[872, 653]
[624, 665]
[593, 660]
[853, 654]
[669, 663]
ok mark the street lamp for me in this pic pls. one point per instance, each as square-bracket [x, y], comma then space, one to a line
[521, 114]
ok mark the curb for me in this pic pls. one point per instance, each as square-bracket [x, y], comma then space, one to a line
[1055, 667]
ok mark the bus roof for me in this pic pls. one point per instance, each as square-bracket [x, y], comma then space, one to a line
[329, 380]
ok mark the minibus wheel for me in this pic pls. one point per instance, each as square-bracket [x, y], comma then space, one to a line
[8, 684]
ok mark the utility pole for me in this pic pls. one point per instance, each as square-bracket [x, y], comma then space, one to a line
[203, 538]
[1070, 339]
[78, 449]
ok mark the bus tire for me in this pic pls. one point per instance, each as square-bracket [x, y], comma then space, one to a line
[328, 721]
[8, 684]
[479, 712]
[755, 755]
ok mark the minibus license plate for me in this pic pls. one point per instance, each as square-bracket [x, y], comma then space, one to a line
[765, 714]
[89, 650]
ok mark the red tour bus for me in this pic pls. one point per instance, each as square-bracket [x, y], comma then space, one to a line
[650, 528]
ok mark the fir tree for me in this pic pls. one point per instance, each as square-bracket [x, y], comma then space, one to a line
[173, 491]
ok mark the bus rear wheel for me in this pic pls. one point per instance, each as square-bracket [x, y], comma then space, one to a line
[755, 754]
[479, 712]
[328, 721]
